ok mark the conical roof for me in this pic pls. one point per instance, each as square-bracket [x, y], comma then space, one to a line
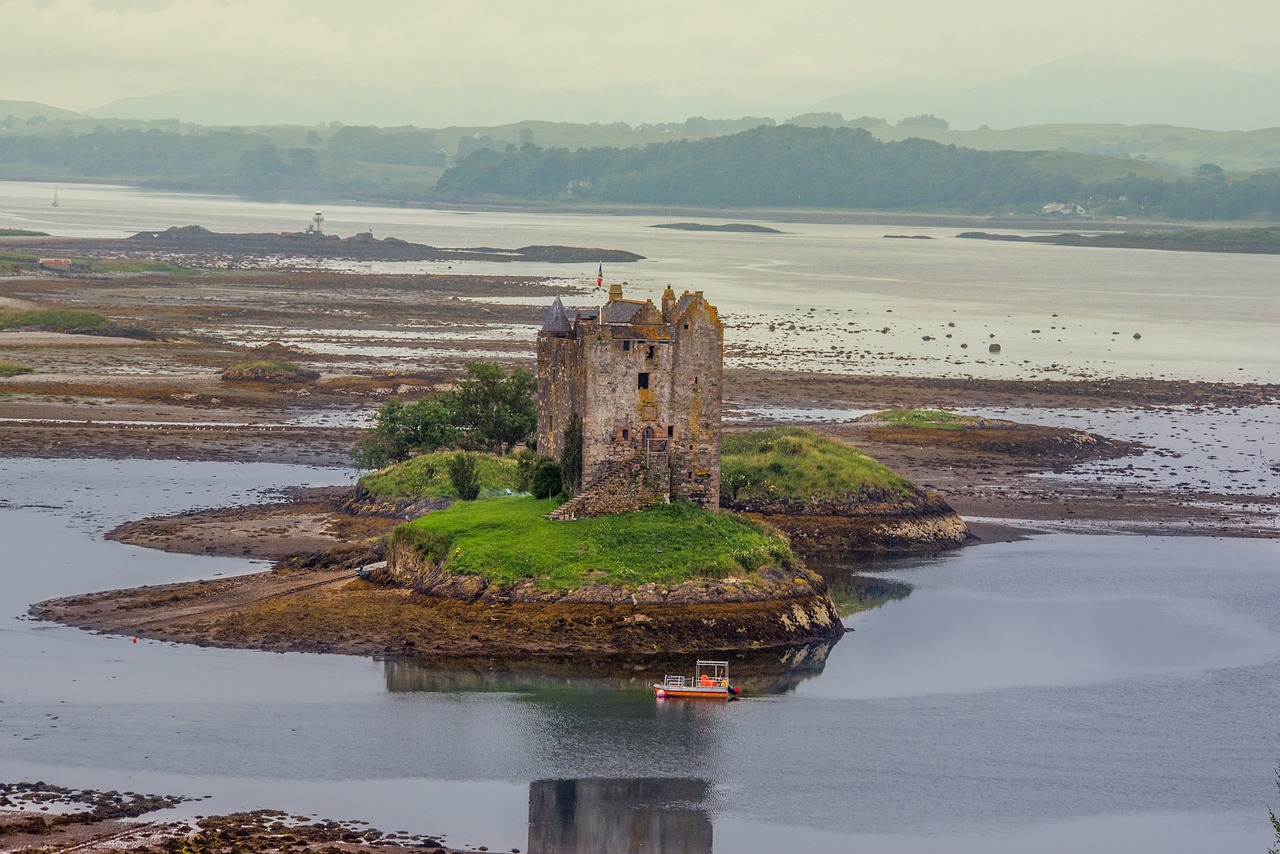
[557, 322]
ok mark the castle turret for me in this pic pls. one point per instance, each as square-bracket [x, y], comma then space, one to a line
[668, 304]
[615, 291]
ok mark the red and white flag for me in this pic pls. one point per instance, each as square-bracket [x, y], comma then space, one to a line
[600, 275]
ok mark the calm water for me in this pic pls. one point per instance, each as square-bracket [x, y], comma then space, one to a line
[1055, 310]
[1069, 692]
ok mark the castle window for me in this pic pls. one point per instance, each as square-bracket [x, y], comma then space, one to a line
[626, 434]
[686, 326]
[650, 354]
[688, 475]
[643, 381]
[671, 432]
[626, 345]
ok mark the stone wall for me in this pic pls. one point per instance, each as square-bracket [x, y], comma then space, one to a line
[698, 394]
[561, 385]
[623, 486]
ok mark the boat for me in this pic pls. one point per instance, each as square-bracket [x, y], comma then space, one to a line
[710, 681]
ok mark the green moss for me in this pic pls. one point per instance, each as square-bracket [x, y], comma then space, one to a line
[427, 476]
[508, 539]
[792, 463]
[54, 321]
[10, 369]
[933, 419]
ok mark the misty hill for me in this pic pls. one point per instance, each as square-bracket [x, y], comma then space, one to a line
[25, 110]
[1094, 87]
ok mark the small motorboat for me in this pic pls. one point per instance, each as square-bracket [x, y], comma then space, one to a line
[710, 681]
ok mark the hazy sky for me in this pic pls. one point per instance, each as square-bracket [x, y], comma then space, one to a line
[483, 60]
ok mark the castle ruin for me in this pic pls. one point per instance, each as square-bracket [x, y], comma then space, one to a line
[646, 385]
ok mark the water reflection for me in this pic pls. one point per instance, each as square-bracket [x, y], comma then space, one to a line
[756, 672]
[854, 591]
[644, 816]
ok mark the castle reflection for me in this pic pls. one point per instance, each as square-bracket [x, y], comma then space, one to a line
[643, 816]
[756, 672]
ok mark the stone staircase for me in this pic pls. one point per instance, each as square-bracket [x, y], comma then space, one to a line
[640, 480]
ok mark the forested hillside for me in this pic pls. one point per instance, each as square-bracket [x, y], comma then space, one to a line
[768, 166]
[791, 166]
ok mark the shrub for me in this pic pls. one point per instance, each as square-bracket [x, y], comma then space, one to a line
[10, 369]
[547, 479]
[464, 476]
[525, 462]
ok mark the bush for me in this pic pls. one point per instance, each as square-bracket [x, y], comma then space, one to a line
[427, 476]
[546, 479]
[525, 462]
[464, 476]
[10, 369]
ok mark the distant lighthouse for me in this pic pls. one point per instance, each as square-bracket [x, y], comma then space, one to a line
[314, 227]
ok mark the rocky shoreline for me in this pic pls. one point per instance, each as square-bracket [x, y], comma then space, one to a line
[332, 611]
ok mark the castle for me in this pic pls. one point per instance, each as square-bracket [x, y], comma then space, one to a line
[646, 385]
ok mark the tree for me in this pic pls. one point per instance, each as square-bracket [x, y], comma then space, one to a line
[464, 475]
[495, 410]
[490, 410]
[571, 456]
[400, 431]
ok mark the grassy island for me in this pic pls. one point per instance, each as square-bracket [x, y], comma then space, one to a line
[54, 320]
[509, 539]
[789, 463]
[427, 476]
[926, 419]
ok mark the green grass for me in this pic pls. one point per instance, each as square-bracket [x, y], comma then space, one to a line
[10, 369]
[508, 539]
[54, 321]
[427, 476]
[934, 419]
[137, 265]
[791, 463]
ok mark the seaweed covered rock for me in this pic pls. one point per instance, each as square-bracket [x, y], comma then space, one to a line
[269, 371]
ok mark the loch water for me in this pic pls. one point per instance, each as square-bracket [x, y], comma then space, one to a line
[1066, 692]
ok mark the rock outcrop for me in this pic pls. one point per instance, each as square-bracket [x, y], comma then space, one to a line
[920, 522]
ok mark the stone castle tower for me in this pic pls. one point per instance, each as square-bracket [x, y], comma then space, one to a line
[647, 386]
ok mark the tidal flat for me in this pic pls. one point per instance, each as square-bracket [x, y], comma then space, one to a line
[1096, 672]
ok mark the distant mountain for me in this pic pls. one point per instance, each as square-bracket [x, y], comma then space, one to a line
[1094, 87]
[30, 109]
[428, 108]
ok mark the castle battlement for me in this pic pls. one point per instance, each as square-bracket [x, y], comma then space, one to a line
[644, 380]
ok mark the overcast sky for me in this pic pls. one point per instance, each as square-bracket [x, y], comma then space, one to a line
[483, 59]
